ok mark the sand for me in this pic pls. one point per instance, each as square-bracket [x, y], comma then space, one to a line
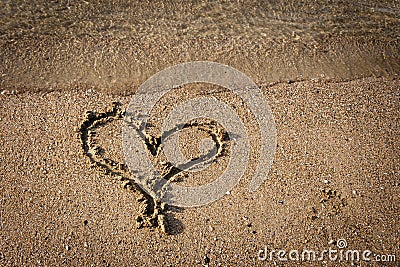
[335, 176]
[329, 71]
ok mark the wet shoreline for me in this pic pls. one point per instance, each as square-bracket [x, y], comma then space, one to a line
[119, 67]
[115, 46]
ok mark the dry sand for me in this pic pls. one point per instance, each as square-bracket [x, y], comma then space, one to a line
[335, 175]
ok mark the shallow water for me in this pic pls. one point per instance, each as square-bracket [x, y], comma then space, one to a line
[308, 22]
[47, 45]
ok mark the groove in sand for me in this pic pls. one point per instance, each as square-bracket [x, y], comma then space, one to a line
[152, 213]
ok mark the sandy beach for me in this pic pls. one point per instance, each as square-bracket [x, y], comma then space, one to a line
[335, 175]
[334, 183]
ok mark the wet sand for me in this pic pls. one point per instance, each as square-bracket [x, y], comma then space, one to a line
[328, 72]
[115, 46]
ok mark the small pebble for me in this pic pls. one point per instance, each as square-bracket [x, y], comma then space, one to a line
[67, 247]
[228, 192]
[326, 181]
[206, 260]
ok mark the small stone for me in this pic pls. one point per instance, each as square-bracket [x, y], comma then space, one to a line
[67, 247]
[85, 244]
[280, 202]
[206, 260]
[354, 192]
[326, 181]
[228, 192]
[211, 228]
